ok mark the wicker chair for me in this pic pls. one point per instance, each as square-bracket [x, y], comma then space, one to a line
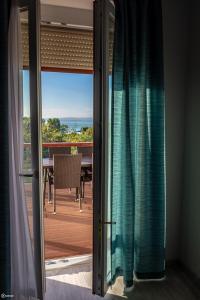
[86, 151]
[67, 174]
[52, 151]
[59, 150]
[87, 172]
[86, 176]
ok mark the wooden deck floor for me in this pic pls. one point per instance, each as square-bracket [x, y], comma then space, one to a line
[69, 232]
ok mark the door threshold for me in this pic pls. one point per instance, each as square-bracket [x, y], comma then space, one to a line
[65, 262]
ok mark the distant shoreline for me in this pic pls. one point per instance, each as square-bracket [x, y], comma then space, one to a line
[75, 124]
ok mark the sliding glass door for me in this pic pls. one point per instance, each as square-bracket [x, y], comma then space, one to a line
[104, 14]
[32, 170]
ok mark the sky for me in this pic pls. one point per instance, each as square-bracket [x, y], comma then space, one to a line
[63, 95]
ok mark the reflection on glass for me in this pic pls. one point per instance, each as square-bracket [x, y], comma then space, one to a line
[110, 59]
[26, 125]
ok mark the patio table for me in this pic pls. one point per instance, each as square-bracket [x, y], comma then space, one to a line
[47, 164]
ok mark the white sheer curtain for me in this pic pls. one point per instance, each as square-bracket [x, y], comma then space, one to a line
[23, 280]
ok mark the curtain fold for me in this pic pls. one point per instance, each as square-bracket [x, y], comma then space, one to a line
[138, 142]
[23, 278]
[4, 159]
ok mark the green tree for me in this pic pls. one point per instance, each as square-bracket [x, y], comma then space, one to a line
[53, 131]
[27, 129]
[83, 129]
[84, 136]
[53, 124]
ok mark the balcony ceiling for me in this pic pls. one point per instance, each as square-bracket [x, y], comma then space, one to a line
[81, 4]
[75, 12]
[66, 35]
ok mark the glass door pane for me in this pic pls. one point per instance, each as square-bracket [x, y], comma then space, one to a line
[103, 51]
[31, 123]
[26, 121]
[108, 139]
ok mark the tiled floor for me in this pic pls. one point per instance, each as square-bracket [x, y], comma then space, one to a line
[75, 283]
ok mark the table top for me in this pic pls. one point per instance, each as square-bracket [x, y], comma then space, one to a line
[48, 162]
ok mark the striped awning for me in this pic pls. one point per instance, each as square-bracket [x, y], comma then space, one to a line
[64, 48]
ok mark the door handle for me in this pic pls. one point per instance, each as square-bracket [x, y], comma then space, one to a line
[26, 174]
[109, 223]
[34, 174]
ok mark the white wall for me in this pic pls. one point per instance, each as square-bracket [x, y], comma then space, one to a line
[175, 26]
[190, 223]
[182, 85]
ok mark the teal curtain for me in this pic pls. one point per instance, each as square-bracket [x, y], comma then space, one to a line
[138, 142]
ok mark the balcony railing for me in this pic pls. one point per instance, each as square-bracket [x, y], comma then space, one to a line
[46, 146]
[62, 144]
